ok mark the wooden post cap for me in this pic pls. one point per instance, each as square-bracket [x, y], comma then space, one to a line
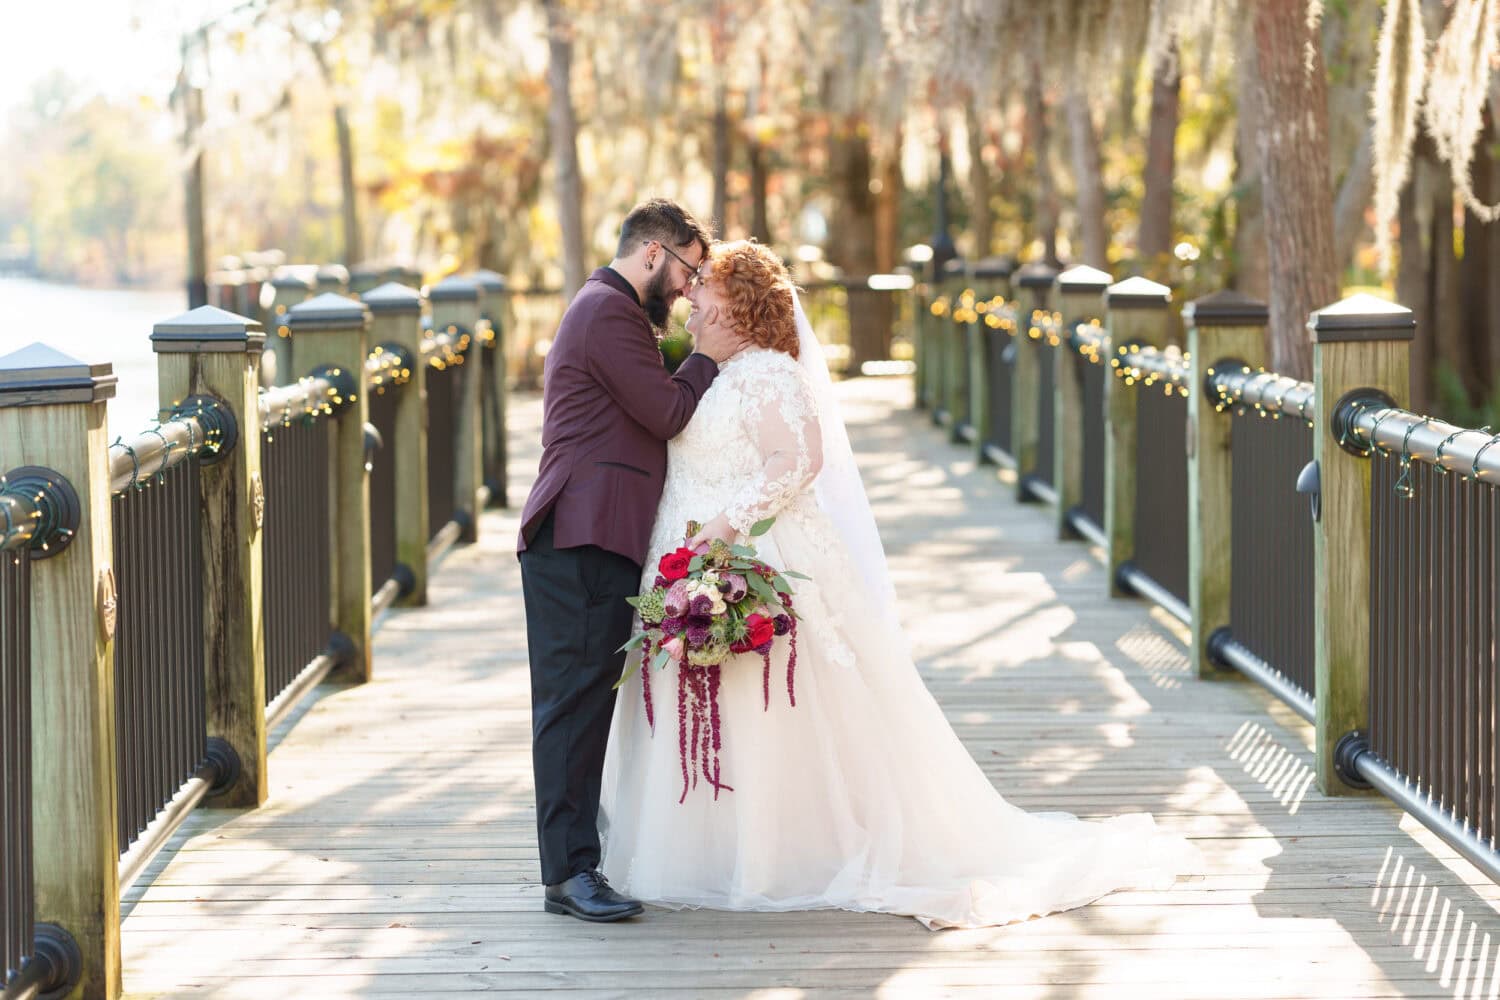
[328, 311]
[291, 276]
[1083, 279]
[1137, 293]
[207, 330]
[332, 276]
[491, 282]
[1036, 275]
[994, 267]
[454, 289]
[1226, 308]
[1362, 317]
[393, 298]
[38, 375]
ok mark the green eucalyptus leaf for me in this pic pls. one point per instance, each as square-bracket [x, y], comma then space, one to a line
[761, 527]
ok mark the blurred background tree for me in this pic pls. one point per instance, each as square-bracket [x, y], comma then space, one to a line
[1294, 150]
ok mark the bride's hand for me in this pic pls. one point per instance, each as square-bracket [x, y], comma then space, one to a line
[719, 527]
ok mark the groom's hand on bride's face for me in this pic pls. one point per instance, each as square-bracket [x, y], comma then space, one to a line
[714, 340]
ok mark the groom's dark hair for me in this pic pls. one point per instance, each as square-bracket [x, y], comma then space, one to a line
[662, 220]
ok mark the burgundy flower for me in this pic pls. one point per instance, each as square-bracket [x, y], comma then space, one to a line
[697, 636]
[661, 581]
[673, 626]
[783, 624]
[702, 605]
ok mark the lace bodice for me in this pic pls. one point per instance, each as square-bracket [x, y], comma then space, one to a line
[750, 450]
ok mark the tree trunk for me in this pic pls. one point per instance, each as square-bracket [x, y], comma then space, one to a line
[869, 313]
[353, 246]
[1474, 280]
[1412, 285]
[888, 206]
[1154, 239]
[1353, 199]
[721, 161]
[197, 253]
[760, 175]
[562, 124]
[1249, 269]
[1046, 189]
[981, 190]
[1294, 153]
[1089, 177]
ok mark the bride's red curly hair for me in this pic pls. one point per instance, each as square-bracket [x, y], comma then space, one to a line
[758, 293]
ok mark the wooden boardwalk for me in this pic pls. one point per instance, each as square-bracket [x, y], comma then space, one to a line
[397, 855]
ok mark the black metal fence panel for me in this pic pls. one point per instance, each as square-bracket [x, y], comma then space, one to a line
[1271, 585]
[1161, 540]
[1435, 619]
[959, 336]
[1093, 376]
[442, 401]
[1046, 422]
[160, 728]
[998, 369]
[17, 906]
[383, 487]
[298, 591]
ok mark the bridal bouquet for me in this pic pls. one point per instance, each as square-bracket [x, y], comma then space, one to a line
[710, 604]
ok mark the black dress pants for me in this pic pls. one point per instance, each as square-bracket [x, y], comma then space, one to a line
[576, 617]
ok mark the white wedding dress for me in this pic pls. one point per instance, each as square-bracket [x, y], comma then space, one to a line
[861, 797]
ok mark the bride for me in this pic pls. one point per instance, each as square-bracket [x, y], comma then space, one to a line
[860, 797]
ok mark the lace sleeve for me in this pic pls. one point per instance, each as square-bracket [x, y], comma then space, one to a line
[783, 422]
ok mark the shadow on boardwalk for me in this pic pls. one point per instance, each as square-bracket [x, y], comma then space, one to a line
[397, 854]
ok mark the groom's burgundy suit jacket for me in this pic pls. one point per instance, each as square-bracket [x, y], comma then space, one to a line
[608, 409]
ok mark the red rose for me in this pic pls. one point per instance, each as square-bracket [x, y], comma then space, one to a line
[759, 630]
[674, 565]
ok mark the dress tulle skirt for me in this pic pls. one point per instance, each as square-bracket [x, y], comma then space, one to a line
[860, 798]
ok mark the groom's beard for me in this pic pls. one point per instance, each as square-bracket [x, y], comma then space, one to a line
[658, 301]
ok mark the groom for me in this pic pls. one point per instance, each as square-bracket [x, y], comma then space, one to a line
[608, 409]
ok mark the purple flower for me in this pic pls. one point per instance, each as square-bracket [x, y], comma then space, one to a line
[661, 581]
[783, 624]
[697, 636]
[673, 626]
[738, 588]
[702, 605]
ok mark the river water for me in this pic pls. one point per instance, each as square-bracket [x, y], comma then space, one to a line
[93, 325]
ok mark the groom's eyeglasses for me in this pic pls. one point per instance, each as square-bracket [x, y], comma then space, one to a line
[694, 279]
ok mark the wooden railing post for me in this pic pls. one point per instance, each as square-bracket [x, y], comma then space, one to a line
[288, 288]
[455, 308]
[1360, 349]
[1034, 284]
[1136, 312]
[1223, 327]
[332, 278]
[991, 280]
[209, 352]
[397, 319]
[52, 414]
[364, 278]
[331, 332]
[1080, 299]
[497, 390]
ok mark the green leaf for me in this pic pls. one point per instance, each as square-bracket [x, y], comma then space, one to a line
[795, 575]
[779, 582]
[761, 527]
[743, 551]
[635, 642]
[661, 659]
[634, 602]
[696, 565]
[760, 588]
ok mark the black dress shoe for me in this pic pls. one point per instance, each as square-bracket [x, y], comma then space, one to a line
[588, 896]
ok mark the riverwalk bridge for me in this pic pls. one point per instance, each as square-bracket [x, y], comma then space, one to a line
[264, 692]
